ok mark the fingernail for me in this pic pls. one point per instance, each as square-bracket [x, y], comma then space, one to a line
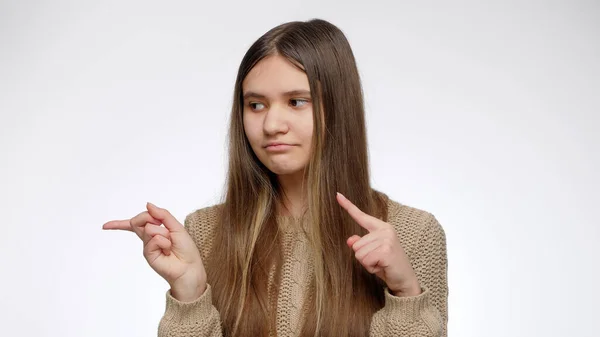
[341, 195]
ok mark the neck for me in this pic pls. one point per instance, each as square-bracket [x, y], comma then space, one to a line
[294, 194]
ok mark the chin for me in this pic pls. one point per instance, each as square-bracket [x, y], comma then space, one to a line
[284, 170]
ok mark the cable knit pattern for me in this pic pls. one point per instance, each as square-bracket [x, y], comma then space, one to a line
[297, 265]
[425, 315]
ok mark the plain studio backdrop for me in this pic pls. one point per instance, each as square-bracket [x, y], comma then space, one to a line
[485, 114]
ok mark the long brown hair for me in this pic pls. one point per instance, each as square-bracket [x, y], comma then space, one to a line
[343, 295]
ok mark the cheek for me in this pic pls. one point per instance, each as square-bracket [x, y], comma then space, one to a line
[306, 128]
[250, 130]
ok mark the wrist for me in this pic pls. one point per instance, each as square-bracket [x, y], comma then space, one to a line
[408, 290]
[187, 294]
[187, 290]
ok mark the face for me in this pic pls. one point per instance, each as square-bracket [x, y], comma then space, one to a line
[278, 115]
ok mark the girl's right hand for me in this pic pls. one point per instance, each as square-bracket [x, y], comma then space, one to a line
[169, 250]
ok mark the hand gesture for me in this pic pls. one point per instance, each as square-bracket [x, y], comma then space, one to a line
[169, 250]
[380, 252]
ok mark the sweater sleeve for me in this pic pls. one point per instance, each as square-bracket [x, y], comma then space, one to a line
[424, 315]
[199, 318]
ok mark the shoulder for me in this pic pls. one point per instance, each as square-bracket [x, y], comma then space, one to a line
[203, 216]
[201, 224]
[417, 229]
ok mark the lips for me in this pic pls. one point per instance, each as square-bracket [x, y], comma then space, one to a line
[278, 147]
[277, 144]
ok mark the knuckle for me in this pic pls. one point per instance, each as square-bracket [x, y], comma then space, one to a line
[147, 229]
[147, 217]
[151, 229]
[365, 259]
[153, 240]
[358, 256]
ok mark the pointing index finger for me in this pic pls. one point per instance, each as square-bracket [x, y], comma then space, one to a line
[364, 220]
[118, 224]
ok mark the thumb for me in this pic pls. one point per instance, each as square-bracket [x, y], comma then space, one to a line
[352, 240]
[165, 217]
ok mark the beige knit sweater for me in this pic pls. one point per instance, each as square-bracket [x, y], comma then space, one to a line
[424, 315]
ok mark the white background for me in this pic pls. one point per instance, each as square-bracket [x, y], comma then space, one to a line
[486, 115]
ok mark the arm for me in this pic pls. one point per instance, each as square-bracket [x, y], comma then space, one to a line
[198, 318]
[426, 314]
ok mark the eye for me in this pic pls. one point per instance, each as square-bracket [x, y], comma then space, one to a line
[296, 102]
[256, 106]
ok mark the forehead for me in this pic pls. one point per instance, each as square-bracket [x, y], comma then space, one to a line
[274, 75]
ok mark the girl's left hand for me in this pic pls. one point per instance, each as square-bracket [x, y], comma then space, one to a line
[381, 253]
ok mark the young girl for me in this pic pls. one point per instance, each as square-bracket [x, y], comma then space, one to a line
[285, 254]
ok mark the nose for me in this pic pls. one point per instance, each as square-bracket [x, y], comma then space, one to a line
[275, 121]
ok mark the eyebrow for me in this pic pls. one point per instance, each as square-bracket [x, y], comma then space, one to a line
[286, 94]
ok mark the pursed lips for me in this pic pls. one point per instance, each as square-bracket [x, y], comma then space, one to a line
[278, 147]
[277, 144]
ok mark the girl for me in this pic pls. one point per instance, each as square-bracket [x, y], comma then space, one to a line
[285, 254]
